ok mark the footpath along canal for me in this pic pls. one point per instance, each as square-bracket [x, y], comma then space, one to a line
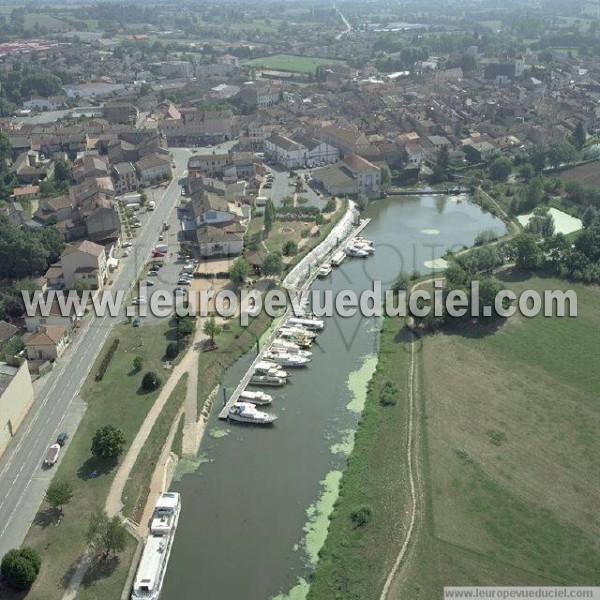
[256, 501]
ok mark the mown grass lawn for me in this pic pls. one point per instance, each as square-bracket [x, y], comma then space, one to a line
[116, 400]
[135, 492]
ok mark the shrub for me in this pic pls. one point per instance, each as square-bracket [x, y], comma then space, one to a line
[305, 233]
[388, 394]
[361, 516]
[107, 358]
[150, 381]
[20, 568]
[138, 363]
[172, 350]
[290, 248]
[330, 206]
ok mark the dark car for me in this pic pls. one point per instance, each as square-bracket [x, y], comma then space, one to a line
[62, 438]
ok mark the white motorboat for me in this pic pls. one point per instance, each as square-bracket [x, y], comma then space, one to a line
[285, 359]
[267, 380]
[338, 258]
[355, 251]
[324, 271]
[297, 331]
[363, 245]
[270, 367]
[258, 398]
[307, 323]
[364, 241]
[290, 347]
[245, 412]
[155, 557]
[301, 339]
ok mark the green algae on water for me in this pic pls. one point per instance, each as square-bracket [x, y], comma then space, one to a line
[358, 382]
[317, 525]
[298, 592]
[218, 433]
[186, 466]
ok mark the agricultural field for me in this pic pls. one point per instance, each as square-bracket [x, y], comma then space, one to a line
[585, 174]
[510, 445]
[289, 62]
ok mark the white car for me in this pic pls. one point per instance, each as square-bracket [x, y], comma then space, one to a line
[126, 252]
[184, 282]
[139, 300]
[127, 244]
[161, 237]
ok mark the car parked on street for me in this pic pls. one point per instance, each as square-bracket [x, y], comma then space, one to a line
[62, 438]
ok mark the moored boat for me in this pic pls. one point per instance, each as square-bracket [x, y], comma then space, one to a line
[338, 258]
[324, 271]
[355, 251]
[245, 412]
[285, 359]
[258, 398]
[267, 380]
[157, 549]
[307, 323]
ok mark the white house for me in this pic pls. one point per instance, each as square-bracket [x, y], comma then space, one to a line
[42, 104]
[215, 242]
[84, 261]
[299, 150]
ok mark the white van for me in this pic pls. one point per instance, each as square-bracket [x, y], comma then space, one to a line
[151, 205]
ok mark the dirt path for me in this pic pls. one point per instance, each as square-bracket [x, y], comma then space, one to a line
[411, 471]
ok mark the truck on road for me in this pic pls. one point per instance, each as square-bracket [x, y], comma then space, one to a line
[52, 455]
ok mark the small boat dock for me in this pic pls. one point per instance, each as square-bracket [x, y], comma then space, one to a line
[313, 272]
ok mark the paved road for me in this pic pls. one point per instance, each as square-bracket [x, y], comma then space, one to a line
[57, 406]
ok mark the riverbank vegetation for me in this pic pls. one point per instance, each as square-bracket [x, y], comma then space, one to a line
[368, 518]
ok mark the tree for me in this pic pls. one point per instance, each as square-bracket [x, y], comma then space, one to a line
[185, 326]
[541, 224]
[290, 248]
[500, 169]
[561, 152]
[588, 217]
[138, 363]
[108, 442]
[239, 271]
[62, 174]
[172, 350]
[150, 381]
[579, 136]
[272, 265]
[524, 250]
[143, 198]
[212, 329]
[20, 567]
[537, 158]
[58, 494]
[386, 179]
[402, 283]
[106, 535]
[270, 215]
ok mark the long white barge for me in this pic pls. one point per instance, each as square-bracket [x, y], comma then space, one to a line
[155, 557]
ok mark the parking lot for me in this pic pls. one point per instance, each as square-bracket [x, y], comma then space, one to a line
[283, 185]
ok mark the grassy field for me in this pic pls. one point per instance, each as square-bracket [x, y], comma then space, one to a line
[509, 462]
[509, 422]
[137, 487]
[289, 62]
[115, 400]
[353, 561]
